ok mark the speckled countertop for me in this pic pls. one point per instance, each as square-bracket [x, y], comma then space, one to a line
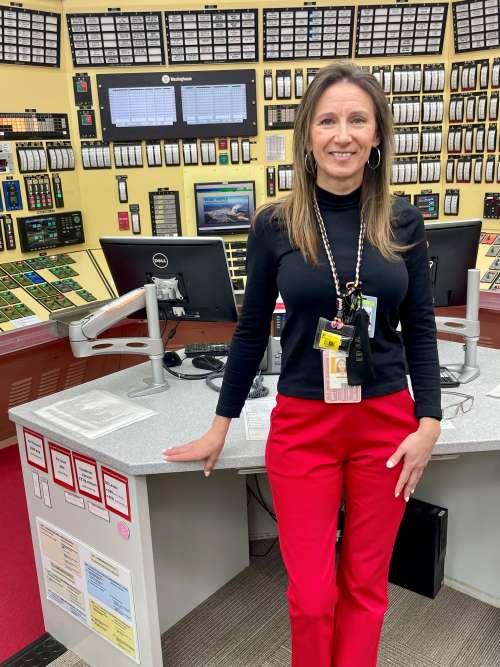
[186, 409]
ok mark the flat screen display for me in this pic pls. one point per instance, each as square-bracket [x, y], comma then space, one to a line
[224, 208]
[225, 103]
[142, 106]
[198, 267]
[177, 105]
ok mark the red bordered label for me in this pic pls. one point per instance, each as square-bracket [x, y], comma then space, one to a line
[87, 478]
[62, 467]
[35, 449]
[116, 493]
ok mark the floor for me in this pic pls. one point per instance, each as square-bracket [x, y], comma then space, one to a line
[245, 624]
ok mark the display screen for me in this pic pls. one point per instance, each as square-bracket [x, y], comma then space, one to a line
[41, 232]
[214, 104]
[142, 106]
[224, 208]
[50, 231]
[177, 105]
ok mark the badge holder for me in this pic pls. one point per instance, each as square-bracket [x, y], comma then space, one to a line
[333, 335]
[334, 341]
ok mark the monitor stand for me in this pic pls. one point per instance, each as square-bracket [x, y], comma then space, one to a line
[84, 342]
[468, 328]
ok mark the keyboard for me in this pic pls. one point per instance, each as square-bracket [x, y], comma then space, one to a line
[447, 378]
[212, 349]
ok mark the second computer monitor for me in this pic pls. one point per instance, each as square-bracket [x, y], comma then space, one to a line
[224, 208]
[452, 248]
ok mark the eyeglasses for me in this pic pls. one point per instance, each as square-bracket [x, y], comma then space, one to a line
[459, 407]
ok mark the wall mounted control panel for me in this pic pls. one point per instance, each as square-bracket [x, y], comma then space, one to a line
[140, 104]
[50, 231]
[38, 192]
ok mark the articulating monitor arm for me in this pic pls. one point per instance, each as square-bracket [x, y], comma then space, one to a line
[83, 333]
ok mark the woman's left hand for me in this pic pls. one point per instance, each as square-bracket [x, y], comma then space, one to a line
[416, 450]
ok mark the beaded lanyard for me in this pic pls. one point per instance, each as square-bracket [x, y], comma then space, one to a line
[342, 297]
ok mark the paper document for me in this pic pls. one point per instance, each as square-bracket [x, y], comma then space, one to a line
[257, 414]
[94, 413]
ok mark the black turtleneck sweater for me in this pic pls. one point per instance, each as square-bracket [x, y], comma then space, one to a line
[402, 287]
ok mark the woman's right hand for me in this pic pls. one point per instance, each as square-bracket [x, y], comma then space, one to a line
[207, 448]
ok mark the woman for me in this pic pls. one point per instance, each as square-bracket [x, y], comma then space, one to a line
[338, 233]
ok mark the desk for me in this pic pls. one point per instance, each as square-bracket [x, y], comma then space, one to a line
[188, 535]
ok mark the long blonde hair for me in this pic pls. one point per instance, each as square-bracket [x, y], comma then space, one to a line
[296, 212]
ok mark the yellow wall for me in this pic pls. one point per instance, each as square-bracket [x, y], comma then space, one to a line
[94, 192]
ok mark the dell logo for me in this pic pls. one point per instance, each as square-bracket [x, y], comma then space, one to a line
[160, 260]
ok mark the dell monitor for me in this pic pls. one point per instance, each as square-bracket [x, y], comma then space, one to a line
[452, 248]
[224, 208]
[191, 275]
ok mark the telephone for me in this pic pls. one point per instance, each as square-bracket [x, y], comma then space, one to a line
[271, 361]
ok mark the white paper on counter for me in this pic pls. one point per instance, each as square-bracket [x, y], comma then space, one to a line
[94, 413]
[257, 413]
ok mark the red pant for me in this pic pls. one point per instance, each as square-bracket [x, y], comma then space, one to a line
[314, 450]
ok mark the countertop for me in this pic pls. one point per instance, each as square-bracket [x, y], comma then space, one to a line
[186, 409]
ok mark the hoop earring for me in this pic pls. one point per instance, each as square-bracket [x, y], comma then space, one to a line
[379, 159]
[310, 169]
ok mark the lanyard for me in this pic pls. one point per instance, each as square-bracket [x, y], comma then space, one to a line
[351, 286]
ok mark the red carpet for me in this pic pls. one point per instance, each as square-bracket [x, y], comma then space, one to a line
[21, 620]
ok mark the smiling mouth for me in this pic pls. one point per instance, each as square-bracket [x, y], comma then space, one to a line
[340, 155]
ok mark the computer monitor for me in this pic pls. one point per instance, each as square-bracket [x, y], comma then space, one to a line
[191, 275]
[452, 248]
[224, 208]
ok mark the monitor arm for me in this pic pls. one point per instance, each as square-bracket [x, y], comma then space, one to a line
[83, 333]
[468, 328]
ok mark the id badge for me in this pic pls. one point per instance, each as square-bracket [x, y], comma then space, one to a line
[328, 337]
[370, 305]
[335, 385]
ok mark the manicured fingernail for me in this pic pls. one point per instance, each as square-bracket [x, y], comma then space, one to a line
[389, 464]
[407, 498]
[412, 491]
[396, 495]
[207, 473]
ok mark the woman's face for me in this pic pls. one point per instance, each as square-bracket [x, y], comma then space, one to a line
[342, 134]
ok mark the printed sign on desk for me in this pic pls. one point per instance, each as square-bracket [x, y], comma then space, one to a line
[86, 476]
[35, 450]
[62, 470]
[116, 495]
[90, 587]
